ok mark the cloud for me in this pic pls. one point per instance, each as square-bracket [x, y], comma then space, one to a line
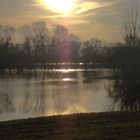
[82, 13]
[88, 6]
[79, 7]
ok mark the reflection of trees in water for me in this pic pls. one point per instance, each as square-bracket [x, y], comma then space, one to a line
[40, 99]
[26, 101]
[40, 93]
[6, 103]
[59, 104]
[90, 76]
[125, 89]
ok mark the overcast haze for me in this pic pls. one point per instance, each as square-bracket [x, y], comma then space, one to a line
[89, 18]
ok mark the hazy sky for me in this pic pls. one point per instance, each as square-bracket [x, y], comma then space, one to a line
[86, 18]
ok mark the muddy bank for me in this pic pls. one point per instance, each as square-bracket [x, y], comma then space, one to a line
[92, 126]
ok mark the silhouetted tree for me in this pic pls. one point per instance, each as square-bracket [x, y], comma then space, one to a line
[65, 46]
[6, 35]
[40, 39]
[75, 47]
[91, 51]
[125, 88]
[60, 33]
[28, 36]
[131, 28]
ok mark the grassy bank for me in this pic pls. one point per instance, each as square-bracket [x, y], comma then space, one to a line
[100, 126]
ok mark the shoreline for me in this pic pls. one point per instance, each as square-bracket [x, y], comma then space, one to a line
[85, 126]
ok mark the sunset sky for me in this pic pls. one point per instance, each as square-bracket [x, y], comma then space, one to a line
[85, 18]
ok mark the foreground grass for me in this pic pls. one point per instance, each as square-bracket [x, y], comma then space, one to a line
[100, 126]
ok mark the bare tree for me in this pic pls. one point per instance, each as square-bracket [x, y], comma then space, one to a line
[41, 38]
[6, 35]
[75, 46]
[91, 51]
[60, 32]
[27, 34]
[131, 28]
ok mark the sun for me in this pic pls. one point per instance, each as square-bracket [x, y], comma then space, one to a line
[60, 6]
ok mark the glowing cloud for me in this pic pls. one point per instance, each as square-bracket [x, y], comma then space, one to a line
[69, 8]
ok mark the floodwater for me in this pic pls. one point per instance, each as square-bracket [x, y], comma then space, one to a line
[53, 92]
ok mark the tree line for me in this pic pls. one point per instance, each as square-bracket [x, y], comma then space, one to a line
[40, 44]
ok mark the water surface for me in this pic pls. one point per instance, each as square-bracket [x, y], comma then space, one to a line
[53, 92]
